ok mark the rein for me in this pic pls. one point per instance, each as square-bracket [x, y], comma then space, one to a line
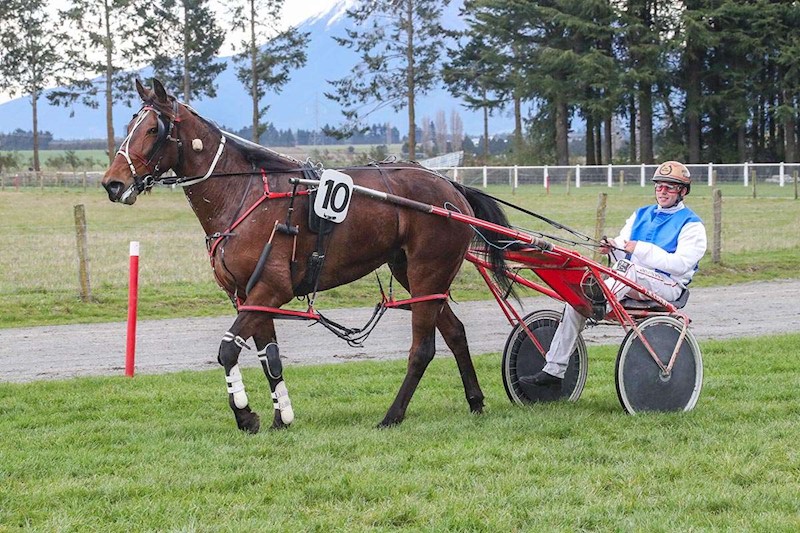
[185, 181]
[586, 241]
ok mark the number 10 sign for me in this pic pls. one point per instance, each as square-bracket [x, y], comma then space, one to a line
[333, 195]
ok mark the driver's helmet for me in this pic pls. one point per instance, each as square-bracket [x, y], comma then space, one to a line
[673, 172]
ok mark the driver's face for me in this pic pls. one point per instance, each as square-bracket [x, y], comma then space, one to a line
[668, 194]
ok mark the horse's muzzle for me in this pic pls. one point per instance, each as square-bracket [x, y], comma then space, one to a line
[117, 192]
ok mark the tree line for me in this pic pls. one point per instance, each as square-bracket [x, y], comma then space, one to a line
[697, 80]
[270, 135]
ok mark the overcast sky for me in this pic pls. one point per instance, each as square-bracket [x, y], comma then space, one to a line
[294, 12]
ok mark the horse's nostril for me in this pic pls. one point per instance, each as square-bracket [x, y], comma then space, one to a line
[114, 189]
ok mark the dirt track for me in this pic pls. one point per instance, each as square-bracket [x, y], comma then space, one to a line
[57, 352]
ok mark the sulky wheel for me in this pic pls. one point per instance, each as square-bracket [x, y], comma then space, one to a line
[641, 384]
[522, 358]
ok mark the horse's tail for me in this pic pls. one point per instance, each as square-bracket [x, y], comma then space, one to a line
[486, 208]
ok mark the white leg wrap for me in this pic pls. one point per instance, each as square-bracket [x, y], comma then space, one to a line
[281, 402]
[236, 387]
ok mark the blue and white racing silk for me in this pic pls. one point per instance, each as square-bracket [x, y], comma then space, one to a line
[670, 241]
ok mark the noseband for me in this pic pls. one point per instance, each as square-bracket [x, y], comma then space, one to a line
[166, 125]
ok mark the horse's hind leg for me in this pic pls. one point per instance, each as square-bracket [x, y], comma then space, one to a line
[454, 334]
[423, 348]
[452, 330]
[269, 356]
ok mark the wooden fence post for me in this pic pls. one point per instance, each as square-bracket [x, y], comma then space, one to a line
[569, 179]
[83, 252]
[716, 250]
[600, 221]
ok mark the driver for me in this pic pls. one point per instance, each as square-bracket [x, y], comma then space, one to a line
[658, 248]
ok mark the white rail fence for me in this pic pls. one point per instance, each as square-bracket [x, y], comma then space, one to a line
[712, 174]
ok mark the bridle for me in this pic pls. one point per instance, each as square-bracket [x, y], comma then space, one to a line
[167, 124]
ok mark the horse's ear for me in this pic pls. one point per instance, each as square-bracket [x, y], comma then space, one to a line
[161, 92]
[143, 92]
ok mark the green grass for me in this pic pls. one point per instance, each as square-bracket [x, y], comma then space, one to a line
[38, 258]
[162, 453]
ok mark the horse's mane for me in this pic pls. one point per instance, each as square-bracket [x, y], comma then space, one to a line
[261, 156]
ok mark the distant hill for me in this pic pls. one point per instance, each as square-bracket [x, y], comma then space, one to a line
[301, 104]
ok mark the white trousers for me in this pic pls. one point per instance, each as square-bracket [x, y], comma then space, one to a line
[572, 322]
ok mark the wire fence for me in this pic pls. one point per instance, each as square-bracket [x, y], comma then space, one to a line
[31, 180]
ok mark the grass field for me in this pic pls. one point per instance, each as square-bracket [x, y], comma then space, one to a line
[161, 453]
[38, 257]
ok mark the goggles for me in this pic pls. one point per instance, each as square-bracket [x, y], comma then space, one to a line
[669, 187]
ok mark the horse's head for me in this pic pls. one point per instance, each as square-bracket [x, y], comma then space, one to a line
[151, 147]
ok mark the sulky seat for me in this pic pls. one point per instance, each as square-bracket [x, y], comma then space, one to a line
[632, 304]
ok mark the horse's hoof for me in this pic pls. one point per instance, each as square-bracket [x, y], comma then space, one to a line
[279, 426]
[277, 422]
[475, 405]
[249, 423]
[389, 422]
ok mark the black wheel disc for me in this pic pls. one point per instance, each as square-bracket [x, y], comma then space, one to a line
[522, 358]
[642, 385]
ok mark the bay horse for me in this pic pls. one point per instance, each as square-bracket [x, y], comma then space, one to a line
[226, 181]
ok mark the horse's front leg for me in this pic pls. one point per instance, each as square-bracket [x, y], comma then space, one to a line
[269, 356]
[231, 346]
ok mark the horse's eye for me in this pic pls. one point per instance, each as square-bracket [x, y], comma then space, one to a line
[153, 130]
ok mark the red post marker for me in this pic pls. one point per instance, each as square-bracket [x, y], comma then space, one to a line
[133, 300]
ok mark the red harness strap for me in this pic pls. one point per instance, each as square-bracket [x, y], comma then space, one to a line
[392, 303]
[312, 314]
[268, 195]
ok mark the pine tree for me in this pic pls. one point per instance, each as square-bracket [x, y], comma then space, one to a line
[400, 43]
[34, 56]
[114, 39]
[591, 24]
[475, 75]
[185, 61]
[788, 74]
[647, 26]
[698, 39]
[265, 67]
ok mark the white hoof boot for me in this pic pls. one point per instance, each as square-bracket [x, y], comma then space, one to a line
[282, 403]
[236, 387]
